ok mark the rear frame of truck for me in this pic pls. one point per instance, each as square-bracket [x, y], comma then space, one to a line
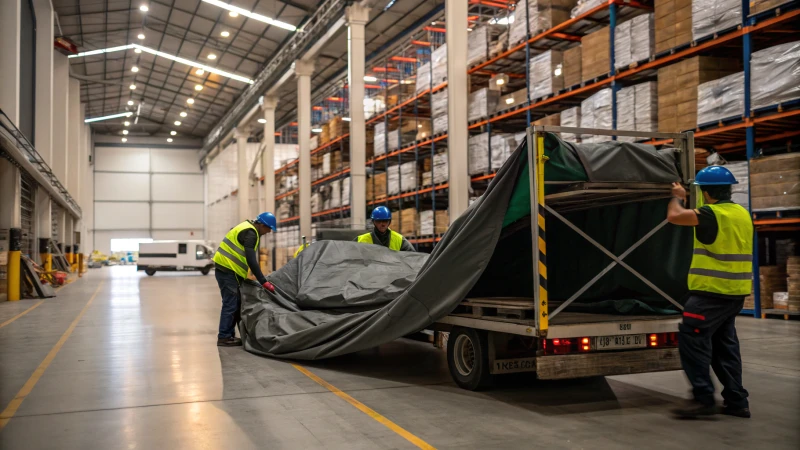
[489, 336]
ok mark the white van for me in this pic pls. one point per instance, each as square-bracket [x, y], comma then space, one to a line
[175, 256]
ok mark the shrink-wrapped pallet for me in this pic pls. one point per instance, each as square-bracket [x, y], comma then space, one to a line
[546, 74]
[740, 192]
[379, 144]
[596, 113]
[439, 65]
[585, 5]
[480, 43]
[479, 160]
[439, 111]
[542, 15]
[346, 191]
[336, 193]
[719, 99]
[571, 118]
[426, 222]
[713, 16]
[775, 75]
[482, 103]
[637, 109]
[423, 81]
[634, 40]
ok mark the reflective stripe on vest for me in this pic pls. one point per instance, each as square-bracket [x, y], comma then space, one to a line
[726, 265]
[231, 254]
[395, 240]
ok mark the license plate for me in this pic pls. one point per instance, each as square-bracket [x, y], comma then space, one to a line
[620, 342]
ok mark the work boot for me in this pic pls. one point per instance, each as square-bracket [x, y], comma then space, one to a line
[232, 341]
[744, 413]
[695, 410]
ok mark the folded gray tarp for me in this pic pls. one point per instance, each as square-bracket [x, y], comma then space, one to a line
[342, 297]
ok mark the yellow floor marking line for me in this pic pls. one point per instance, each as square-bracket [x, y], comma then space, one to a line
[14, 405]
[366, 410]
[21, 314]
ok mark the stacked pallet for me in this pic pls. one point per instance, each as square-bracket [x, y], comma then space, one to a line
[673, 23]
[713, 16]
[572, 66]
[595, 57]
[793, 283]
[426, 219]
[772, 279]
[542, 15]
[677, 89]
[408, 222]
[775, 182]
[338, 127]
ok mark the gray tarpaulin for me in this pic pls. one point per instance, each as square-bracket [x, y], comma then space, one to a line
[341, 297]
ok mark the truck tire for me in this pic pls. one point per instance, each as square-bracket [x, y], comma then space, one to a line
[150, 272]
[468, 358]
[205, 270]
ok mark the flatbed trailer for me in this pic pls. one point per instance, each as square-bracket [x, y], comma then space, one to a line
[488, 336]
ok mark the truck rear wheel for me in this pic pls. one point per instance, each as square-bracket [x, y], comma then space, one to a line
[468, 358]
[150, 272]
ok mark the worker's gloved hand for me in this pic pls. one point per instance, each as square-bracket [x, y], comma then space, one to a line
[268, 286]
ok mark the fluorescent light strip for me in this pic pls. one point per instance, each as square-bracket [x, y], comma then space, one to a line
[113, 116]
[252, 15]
[177, 59]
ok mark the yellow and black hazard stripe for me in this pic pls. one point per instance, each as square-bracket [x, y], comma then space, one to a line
[543, 307]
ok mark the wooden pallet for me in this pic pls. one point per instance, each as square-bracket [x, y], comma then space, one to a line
[516, 308]
[785, 313]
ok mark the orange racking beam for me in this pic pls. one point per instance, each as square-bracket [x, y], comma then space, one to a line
[422, 43]
[385, 69]
[435, 29]
[403, 59]
[493, 4]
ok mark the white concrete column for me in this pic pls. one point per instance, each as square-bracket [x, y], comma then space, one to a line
[63, 217]
[75, 134]
[457, 93]
[268, 157]
[60, 116]
[44, 219]
[357, 17]
[303, 71]
[10, 195]
[10, 28]
[43, 134]
[244, 169]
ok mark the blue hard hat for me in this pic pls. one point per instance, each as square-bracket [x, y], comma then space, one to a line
[268, 219]
[715, 176]
[381, 213]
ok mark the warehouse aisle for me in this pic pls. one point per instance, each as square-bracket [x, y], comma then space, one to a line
[140, 369]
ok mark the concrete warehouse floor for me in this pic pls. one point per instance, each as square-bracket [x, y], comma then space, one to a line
[140, 370]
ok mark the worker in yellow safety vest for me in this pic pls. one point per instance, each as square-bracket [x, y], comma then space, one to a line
[382, 235]
[720, 277]
[237, 253]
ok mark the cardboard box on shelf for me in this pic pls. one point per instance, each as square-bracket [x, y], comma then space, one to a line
[673, 24]
[542, 15]
[511, 100]
[677, 89]
[408, 222]
[324, 136]
[552, 120]
[757, 6]
[572, 66]
[338, 127]
[424, 130]
[595, 59]
[775, 182]
[546, 74]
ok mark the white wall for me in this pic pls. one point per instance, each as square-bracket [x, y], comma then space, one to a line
[147, 192]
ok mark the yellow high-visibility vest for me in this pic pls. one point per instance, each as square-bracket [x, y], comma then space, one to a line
[230, 253]
[726, 266]
[395, 240]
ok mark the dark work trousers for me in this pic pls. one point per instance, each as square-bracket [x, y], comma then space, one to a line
[707, 338]
[230, 314]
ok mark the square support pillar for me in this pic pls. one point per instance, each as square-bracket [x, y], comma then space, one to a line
[44, 79]
[75, 134]
[243, 194]
[303, 70]
[60, 117]
[457, 94]
[357, 17]
[10, 29]
[268, 157]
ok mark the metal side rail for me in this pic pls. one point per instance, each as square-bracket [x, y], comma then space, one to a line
[19, 150]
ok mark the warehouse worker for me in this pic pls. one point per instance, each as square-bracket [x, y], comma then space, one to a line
[238, 252]
[720, 277]
[382, 235]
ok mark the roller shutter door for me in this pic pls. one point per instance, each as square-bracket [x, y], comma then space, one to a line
[28, 213]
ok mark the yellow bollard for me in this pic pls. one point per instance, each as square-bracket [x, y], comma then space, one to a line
[47, 261]
[14, 275]
[80, 265]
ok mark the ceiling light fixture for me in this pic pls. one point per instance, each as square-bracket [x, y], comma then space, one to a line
[183, 114]
[346, 119]
[200, 72]
[113, 116]
[125, 132]
[177, 123]
[262, 120]
[140, 36]
[370, 78]
[133, 86]
[212, 56]
[173, 132]
[134, 69]
[144, 8]
[124, 139]
[316, 130]
[130, 102]
[224, 34]
[235, 11]
[198, 87]
[140, 48]
[127, 123]
[190, 101]
[169, 139]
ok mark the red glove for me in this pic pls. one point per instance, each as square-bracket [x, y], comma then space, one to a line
[268, 286]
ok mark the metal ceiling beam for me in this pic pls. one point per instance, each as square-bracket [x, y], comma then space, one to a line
[309, 33]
